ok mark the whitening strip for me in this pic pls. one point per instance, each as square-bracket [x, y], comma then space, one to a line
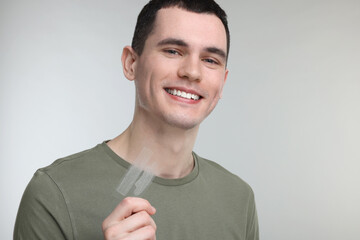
[138, 175]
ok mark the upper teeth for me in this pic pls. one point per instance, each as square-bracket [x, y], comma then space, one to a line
[183, 94]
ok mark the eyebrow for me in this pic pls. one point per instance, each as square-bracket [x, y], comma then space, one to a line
[179, 42]
[172, 41]
[217, 51]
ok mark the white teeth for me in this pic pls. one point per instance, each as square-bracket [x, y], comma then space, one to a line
[183, 94]
[195, 97]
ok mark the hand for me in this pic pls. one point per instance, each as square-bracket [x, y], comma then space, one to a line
[131, 219]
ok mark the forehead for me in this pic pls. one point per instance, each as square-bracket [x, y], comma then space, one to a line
[200, 29]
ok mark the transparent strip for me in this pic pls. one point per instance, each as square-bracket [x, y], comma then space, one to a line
[139, 175]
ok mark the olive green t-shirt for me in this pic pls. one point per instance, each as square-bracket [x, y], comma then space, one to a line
[70, 199]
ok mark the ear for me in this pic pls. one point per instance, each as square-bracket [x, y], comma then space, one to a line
[225, 78]
[128, 59]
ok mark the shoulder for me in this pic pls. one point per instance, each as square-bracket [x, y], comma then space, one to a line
[43, 211]
[78, 171]
[80, 157]
[72, 165]
[222, 177]
[45, 206]
[51, 177]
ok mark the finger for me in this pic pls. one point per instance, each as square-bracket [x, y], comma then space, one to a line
[127, 207]
[131, 224]
[137, 221]
[132, 205]
[147, 232]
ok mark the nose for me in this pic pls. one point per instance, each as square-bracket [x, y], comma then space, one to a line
[190, 69]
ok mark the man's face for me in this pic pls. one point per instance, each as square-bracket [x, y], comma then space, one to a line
[181, 72]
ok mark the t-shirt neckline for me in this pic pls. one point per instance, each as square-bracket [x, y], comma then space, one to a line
[159, 180]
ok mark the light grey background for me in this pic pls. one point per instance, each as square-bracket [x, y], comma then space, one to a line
[288, 122]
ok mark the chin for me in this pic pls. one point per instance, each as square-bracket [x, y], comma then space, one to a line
[182, 122]
[184, 126]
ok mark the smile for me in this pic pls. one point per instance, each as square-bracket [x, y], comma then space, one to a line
[182, 94]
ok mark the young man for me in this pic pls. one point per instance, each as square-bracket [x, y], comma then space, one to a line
[178, 64]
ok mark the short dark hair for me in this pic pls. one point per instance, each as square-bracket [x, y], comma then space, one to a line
[147, 16]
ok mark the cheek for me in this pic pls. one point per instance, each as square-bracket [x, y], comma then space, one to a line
[149, 79]
[218, 85]
[154, 69]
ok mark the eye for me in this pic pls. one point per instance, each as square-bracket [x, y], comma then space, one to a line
[172, 51]
[210, 60]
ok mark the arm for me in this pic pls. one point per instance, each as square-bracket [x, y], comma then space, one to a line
[252, 230]
[43, 213]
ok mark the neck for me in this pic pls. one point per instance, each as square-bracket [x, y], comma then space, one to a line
[171, 147]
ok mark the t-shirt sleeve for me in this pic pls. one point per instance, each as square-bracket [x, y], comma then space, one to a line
[43, 212]
[252, 230]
